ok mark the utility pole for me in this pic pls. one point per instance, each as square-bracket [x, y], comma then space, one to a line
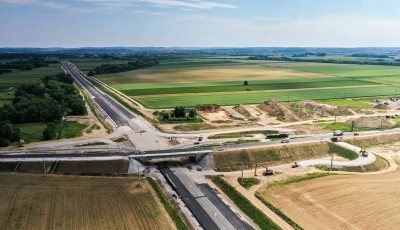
[44, 166]
[242, 171]
[139, 175]
[331, 160]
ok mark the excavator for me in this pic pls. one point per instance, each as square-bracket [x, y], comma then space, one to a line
[267, 172]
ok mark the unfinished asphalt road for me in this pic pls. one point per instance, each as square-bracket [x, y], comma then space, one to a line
[208, 209]
[119, 114]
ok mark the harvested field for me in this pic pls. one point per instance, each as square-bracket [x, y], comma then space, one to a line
[112, 167]
[272, 155]
[341, 201]
[57, 202]
[93, 167]
[369, 141]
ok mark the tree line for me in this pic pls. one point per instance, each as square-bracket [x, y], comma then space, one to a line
[22, 65]
[116, 68]
[332, 60]
[45, 100]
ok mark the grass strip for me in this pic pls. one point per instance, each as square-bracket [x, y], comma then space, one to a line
[96, 115]
[116, 97]
[278, 212]
[169, 207]
[343, 152]
[262, 220]
[248, 182]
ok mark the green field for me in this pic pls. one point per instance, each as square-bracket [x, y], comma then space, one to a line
[12, 80]
[159, 102]
[31, 132]
[253, 86]
[71, 129]
[351, 103]
[214, 80]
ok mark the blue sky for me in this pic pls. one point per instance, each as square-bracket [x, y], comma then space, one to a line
[189, 23]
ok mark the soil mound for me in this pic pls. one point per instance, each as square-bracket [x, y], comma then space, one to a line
[208, 108]
[283, 111]
[324, 110]
[242, 109]
[370, 122]
[382, 106]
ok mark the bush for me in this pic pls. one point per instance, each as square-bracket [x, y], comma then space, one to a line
[180, 111]
[246, 83]
[50, 131]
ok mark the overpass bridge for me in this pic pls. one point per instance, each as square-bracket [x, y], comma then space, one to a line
[134, 154]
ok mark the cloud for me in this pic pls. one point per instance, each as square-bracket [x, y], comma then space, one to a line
[171, 3]
[148, 12]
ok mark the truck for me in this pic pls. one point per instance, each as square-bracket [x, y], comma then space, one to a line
[277, 135]
[338, 133]
[336, 139]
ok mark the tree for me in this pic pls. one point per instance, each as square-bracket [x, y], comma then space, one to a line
[192, 112]
[180, 111]
[50, 131]
[245, 83]
[91, 73]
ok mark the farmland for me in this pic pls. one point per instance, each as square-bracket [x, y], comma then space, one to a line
[221, 81]
[158, 102]
[254, 86]
[56, 202]
[340, 201]
[201, 70]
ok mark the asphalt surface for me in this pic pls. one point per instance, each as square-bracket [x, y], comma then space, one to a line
[193, 205]
[119, 114]
[224, 209]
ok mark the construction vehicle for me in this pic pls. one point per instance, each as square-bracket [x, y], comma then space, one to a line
[336, 139]
[295, 165]
[267, 172]
[277, 135]
[364, 152]
[338, 133]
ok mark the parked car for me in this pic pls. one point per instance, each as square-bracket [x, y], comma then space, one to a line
[200, 139]
[356, 134]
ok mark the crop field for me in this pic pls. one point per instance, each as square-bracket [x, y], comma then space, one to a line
[341, 201]
[57, 202]
[160, 102]
[201, 70]
[220, 81]
[253, 86]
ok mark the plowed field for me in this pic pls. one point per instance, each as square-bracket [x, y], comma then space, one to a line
[341, 201]
[58, 202]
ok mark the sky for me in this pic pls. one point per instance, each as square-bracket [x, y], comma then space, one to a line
[198, 23]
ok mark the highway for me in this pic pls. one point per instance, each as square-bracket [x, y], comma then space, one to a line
[119, 114]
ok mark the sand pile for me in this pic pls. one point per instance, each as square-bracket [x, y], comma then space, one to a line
[283, 111]
[382, 106]
[324, 110]
[208, 108]
[370, 122]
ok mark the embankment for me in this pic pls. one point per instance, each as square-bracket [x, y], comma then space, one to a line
[369, 141]
[273, 155]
